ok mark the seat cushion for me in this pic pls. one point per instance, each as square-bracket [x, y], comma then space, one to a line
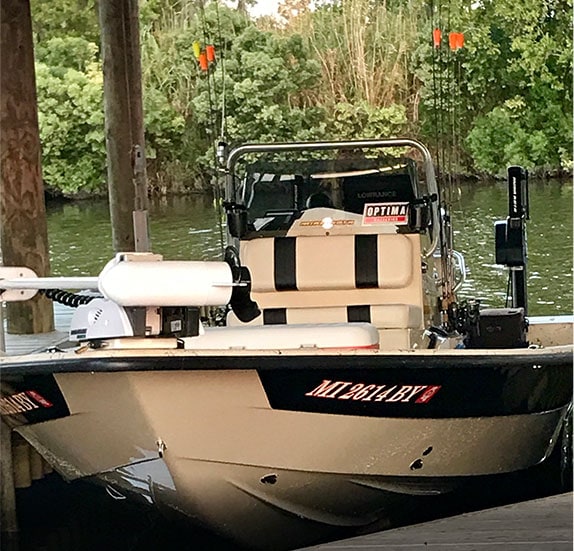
[385, 316]
[336, 262]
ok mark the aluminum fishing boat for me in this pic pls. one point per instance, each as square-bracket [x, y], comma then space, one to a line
[320, 378]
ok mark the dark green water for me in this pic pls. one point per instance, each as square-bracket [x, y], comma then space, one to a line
[187, 228]
[549, 236]
[80, 233]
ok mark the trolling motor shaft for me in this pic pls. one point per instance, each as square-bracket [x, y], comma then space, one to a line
[510, 235]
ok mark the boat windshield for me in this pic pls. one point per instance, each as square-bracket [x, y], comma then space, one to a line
[276, 189]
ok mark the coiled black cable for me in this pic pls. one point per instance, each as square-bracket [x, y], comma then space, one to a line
[66, 298]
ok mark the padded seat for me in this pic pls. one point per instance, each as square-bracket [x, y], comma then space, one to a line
[382, 316]
[336, 262]
[350, 278]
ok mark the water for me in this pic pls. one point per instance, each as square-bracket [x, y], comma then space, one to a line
[187, 228]
[549, 237]
[80, 234]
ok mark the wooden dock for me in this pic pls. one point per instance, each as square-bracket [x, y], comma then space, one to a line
[536, 525]
[21, 464]
[16, 345]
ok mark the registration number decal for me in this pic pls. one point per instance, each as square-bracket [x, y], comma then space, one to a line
[23, 402]
[362, 392]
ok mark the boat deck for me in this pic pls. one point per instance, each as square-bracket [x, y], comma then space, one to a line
[537, 525]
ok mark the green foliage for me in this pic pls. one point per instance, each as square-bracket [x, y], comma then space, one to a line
[171, 77]
[164, 126]
[71, 116]
[267, 78]
[517, 133]
[165, 129]
[507, 96]
[264, 77]
[521, 85]
[362, 119]
[67, 53]
[364, 48]
[65, 18]
[70, 104]
[347, 69]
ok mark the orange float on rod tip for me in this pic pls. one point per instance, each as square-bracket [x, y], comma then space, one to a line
[210, 52]
[460, 40]
[436, 37]
[203, 61]
[456, 41]
[452, 41]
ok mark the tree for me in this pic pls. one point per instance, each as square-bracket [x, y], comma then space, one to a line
[70, 103]
[507, 95]
[264, 79]
[527, 90]
[65, 18]
[348, 68]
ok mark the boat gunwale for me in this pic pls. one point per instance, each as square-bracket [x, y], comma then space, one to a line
[125, 360]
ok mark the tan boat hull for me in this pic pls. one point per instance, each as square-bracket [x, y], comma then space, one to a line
[270, 478]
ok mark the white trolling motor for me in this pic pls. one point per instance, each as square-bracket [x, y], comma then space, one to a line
[141, 295]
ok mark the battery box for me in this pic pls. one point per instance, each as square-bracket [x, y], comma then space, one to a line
[179, 321]
[501, 328]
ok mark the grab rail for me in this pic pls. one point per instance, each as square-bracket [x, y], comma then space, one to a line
[461, 265]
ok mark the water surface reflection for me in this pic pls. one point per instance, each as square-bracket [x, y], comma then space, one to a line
[190, 228]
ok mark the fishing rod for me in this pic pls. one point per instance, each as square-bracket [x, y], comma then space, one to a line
[222, 135]
[437, 88]
[446, 138]
[436, 37]
[221, 149]
[207, 60]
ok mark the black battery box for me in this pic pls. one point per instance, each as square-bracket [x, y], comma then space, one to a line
[179, 321]
[501, 328]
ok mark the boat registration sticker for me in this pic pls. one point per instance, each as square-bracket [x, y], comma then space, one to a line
[23, 402]
[347, 390]
[376, 214]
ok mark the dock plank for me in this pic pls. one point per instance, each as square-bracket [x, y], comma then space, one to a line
[16, 345]
[537, 525]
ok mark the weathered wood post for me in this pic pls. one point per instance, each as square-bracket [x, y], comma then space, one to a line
[141, 203]
[2, 338]
[127, 183]
[8, 518]
[24, 236]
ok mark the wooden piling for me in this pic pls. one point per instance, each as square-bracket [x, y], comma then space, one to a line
[124, 123]
[21, 465]
[27, 464]
[8, 518]
[24, 236]
[134, 74]
[37, 463]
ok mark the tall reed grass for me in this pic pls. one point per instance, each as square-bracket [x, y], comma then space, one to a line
[364, 48]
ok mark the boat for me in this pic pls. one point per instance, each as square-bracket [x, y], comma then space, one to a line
[319, 378]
